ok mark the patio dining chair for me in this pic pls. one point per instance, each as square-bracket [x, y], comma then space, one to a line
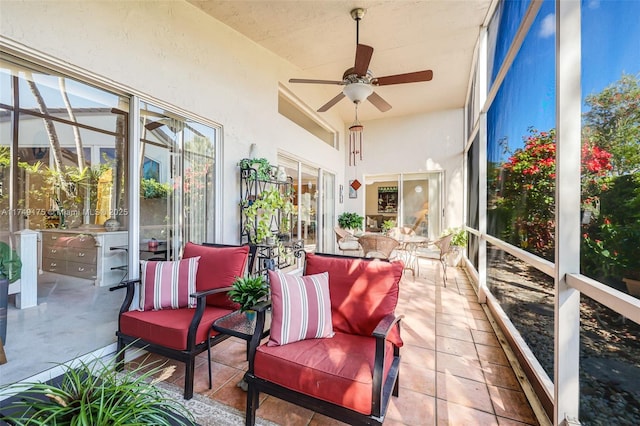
[437, 250]
[378, 246]
[347, 243]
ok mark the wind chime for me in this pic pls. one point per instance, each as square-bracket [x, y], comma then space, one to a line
[356, 131]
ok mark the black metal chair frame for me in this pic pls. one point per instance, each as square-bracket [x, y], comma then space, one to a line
[192, 350]
[381, 393]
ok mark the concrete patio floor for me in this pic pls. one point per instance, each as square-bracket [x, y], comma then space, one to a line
[454, 370]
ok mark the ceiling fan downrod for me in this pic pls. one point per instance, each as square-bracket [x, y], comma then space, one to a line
[357, 14]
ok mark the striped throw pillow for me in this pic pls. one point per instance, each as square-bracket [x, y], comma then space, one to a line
[167, 285]
[300, 307]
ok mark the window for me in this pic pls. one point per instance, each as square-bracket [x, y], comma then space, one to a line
[306, 120]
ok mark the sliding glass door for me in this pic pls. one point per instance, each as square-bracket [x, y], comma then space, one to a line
[176, 165]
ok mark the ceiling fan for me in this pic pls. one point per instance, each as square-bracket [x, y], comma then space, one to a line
[358, 81]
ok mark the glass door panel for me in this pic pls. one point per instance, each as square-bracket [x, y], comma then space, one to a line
[328, 212]
[176, 164]
[309, 205]
[159, 177]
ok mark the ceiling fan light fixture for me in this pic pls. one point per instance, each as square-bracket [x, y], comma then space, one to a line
[357, 92]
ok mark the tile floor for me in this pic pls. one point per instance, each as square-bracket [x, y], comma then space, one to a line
[453, 369]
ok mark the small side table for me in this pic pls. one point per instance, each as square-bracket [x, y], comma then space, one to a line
[242, 325]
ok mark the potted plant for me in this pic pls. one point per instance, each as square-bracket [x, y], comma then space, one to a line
[260, 214]
[264, 170]
[94, 393]
[458, 243]
[10, 269]
[350, 221]
[388, 225]
[249, 291]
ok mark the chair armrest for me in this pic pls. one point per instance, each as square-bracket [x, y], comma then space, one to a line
[128, 297]
[261, 314]
[380, 333]
[384, 326]
[199, 294]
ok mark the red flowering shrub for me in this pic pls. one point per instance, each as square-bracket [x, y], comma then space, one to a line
[528, 193]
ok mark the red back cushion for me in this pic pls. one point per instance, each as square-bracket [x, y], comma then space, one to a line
[363, 291]
[218, 267]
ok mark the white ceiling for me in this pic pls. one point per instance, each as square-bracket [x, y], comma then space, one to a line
[319, 37]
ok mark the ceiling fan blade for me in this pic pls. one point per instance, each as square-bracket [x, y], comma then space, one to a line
[363, 57]
[378, 102]
[410, 77]
[304, 80]
[331, 103]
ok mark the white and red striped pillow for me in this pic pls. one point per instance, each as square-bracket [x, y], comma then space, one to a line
[300, 307]
[167, 285]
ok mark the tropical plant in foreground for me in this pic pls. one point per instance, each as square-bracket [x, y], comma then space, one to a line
[94, 393]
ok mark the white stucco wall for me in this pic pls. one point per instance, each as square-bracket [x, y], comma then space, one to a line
[426, 142]
[172, 52]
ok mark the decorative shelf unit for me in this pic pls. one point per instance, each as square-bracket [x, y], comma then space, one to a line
[268, 186]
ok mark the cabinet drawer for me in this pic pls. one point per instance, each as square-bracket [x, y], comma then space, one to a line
[81, 241]
[82, 270]
[54, 265]
[54, 252]
[82, 255]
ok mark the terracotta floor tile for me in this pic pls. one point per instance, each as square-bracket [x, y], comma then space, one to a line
[220, 374]
[509, 422]
[419, 356]
[500, 375]
[463, 391]
[454, 332]
[475, 306]
[485, 338]
[482, 325]
[283, 412]
[459, 366]
[451, 414]
[455, 347]
[230, 393]
[418, 379]
[412, 408]
[512, 405]
[452, 319]
[418, 334]
[320, 420]
[231, 352]
[492, 354]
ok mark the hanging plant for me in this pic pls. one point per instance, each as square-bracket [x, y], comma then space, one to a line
[264, 170]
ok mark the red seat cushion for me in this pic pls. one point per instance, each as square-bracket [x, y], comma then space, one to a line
[218, 267]
[362, 291]
[169, 327]
[337, 370]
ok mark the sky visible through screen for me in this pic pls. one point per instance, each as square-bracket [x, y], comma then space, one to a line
[610, 47]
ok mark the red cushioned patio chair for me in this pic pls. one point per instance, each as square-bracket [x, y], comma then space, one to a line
[182, 334]
[351, 375]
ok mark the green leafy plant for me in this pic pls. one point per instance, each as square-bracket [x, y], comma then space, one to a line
[150, 188]
[94, 393]
[264, 170]
[349, 220]
[388, 224]
[459, 238]
[248, 291]
[10, 263]
[260, 214]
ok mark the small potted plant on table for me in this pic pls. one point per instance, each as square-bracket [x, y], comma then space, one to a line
[248, 292]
